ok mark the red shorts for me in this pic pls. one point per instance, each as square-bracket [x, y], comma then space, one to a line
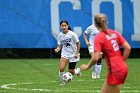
[117, 77]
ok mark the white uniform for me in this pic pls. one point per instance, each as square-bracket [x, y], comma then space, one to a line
[68, 42]
[92, 31]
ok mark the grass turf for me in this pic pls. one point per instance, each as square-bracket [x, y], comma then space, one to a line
[41, 76]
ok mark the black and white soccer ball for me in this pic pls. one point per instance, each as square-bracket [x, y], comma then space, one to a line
[67, 77]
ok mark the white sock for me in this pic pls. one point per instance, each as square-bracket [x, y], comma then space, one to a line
[60, 76]
[93, 68]
[98, 69]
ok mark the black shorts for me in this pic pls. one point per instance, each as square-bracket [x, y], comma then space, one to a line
[99, 61]
[72, 65]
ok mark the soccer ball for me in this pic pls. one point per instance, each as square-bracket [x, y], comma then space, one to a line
[67, 77]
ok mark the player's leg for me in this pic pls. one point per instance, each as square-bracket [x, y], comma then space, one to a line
[93, 67]
[120, 77]
[62, 66]
[116, 89]
[114, 81]
[93, 72]
[98, 67]
[91, 52]
[72, 64]
[106, 88]
[72, 67]
[74, 70]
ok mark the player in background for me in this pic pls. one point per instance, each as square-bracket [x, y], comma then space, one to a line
[92, 31]
[109, 42]
[70, 44]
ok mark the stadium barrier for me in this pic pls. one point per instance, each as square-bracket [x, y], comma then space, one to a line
[47, 53]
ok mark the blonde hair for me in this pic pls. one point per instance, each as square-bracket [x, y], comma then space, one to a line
[101, 22]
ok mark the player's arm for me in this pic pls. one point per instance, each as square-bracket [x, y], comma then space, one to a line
[76, 39]
[92, 61]
[58, 48]
[78, 49]
[125, 45]
[58, 44]
[127, 50]
[96, 56]
[86, 40]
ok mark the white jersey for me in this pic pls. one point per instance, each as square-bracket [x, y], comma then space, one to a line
[92, 31]
[68, 42]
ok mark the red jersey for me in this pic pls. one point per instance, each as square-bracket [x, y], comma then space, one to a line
[110, 46]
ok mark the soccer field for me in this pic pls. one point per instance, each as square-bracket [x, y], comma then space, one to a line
[41, 76]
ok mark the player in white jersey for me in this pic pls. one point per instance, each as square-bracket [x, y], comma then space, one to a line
[70, 44]
[92, 31]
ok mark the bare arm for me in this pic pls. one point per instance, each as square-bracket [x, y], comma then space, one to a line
[58, 48]
[78, 49]
[127, 50]
[78, 46]
[86, 40]
[92, 61]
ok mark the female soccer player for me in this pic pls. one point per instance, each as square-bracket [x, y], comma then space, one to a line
[93, 31]
[70, 50]
[109, 42]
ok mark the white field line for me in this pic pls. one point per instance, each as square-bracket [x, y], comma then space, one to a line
[95, 89]
[7, 86]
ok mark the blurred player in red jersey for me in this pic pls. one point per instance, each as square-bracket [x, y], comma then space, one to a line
[109, 42]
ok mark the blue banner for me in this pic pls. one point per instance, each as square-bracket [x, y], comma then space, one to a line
[35, 23]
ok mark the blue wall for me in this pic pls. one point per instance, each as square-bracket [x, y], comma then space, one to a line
[35, 23]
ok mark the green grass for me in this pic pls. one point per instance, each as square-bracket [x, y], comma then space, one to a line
[41, 76]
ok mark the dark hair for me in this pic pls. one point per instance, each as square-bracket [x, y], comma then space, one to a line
[64, 21]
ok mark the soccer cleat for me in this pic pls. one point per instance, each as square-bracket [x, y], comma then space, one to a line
[93, 75]
[62, 83]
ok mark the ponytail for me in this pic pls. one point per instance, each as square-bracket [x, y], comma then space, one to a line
[101, 22]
